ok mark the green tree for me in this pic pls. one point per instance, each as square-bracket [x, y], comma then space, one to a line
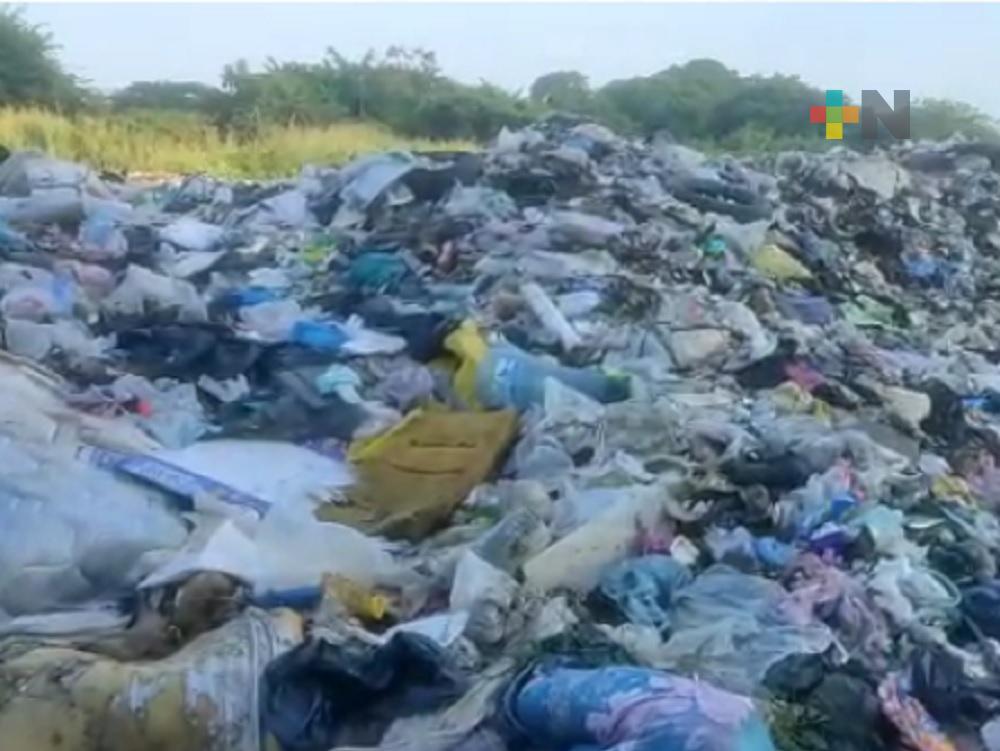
[29, 70]
[562, 90]
[179, 96]
[402, 88]
[937, 119]
[680, 99]
[777, 103]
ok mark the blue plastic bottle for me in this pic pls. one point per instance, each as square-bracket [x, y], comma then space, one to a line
[510, 377]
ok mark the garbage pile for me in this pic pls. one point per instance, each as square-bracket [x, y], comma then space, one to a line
[575, 443]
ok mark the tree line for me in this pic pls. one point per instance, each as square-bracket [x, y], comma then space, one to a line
[701, 101]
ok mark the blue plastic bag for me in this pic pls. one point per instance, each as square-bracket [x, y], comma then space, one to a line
[323, 337]
[642, 587]
[377, 271]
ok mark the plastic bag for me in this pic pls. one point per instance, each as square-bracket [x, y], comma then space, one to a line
[260, 554]
[187, 233]
[364, 341]
[53, 299]
[142, 287]
[272, 320]
[520, 535]
[477, 201]
[576, 228]
[578, 506]
[407, 386]
[26, 173]
[340, 380]
[172, 415]
[486, 593]
[884, 526]
[377, 272]
[731, 628]
[578, 304]
[12, 240]
[908, 592]
[642, 588]
[288, 209]
[368, 177]
[101, 235]
[37, 340]
[309, 695]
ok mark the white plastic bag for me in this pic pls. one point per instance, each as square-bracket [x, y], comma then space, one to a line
[142, 287]
[190, 234]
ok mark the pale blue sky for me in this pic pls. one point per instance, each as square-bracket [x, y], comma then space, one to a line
[945, 50]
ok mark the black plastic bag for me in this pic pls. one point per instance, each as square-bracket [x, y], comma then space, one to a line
[309, 695]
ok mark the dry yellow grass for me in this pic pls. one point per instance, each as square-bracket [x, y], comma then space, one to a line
[181, 144]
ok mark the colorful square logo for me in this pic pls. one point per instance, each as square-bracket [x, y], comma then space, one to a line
[834, 114]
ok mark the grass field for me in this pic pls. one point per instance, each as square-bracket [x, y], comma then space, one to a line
[179, 144]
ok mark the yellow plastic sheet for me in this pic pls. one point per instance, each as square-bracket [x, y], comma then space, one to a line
[411, 478]
[471, 348]
[951, 488]
[778, 264]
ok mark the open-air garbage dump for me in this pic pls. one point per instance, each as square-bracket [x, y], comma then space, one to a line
[574, 443]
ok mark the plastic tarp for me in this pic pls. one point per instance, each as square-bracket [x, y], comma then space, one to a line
[74, 533]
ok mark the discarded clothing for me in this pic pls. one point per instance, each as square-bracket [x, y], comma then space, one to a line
[632, 708]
